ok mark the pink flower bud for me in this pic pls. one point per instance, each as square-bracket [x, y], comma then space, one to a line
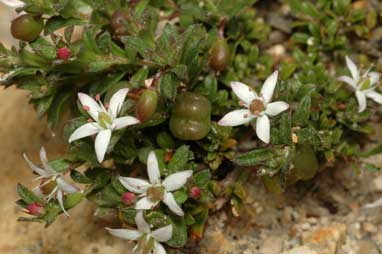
[63, 53]
[195, 192]
[35, 209]
[97, 97]
[128, 198]
[86, 108]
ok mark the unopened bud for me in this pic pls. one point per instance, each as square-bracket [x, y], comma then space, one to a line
[35, 209]
[195, 192]
[128, 198]
[63, 53]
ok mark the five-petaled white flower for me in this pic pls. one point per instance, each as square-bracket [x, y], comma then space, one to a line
[47, 174]
[156, 191]
[259, 107]
[106, 120]
[13, 3]
[364, 86]
[148, 241]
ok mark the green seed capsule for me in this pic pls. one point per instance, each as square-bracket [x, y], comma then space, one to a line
[147, 105]
[191, 116]
[305, 165]
[27, 27]
[219, 55]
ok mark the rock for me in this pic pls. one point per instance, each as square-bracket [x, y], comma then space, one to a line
[367, 247]
[300, 250]
[272, 245]
[325, 240]
[369, 227]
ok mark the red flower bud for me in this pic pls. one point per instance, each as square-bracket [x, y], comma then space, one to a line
[195, 192]
[35, 209]
[128, 198]
[63, 53]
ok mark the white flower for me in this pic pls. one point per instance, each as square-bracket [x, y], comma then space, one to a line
[364, 86]
[106, 120]
[156, 191]
[259, 107]
[48, 175]
[13, 3]
[148, 241]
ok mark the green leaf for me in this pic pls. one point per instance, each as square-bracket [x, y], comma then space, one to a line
[168, 84]
[301, 116]
[202, 178]
[58, 22]
[27, 196]
[179, 159]
[254, 157]
[59, 165]
[57, 108]
[108, 197]
[43, 48]
[308, 135]
[180, 196]
[79, 178]
[179, 235]
[71, 200]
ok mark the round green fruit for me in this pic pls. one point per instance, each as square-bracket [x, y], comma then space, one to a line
[219, 55]
[191, 116]
[147, 105]
[27, 27]
[305, 165]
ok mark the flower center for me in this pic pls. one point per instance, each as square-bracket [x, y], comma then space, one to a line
[155, 194]
[104, 120]
[365, 83]
[257, 106]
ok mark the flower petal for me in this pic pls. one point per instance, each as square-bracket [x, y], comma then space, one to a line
[13, 3]
[352, 68]
[177, 180]
[123, 122]
[101, 143]
[159, 249]
[374, 96]
[169, 200]
[243, 92]
[85, 130]
[60, 200]
[361, 98]
[145, 204]
[162, 234]
[153, 168]
[269, 87]
[36, 169]
[45, 162]
[142, 225]
[263, 128]
[66, 187]
[93, 107]
[236, 117]
[351, 82]
[126, 234]
[134, 184]
[116, 101]
[374, 77]
[276, 108]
